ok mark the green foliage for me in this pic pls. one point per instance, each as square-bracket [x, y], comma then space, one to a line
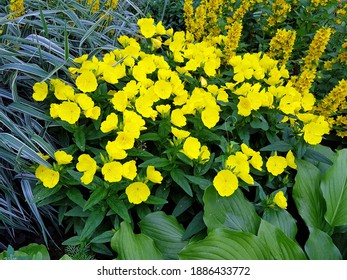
[32, 251]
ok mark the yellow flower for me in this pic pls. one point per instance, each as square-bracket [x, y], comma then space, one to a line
[86, 82]
[87, 165]
[62, 157]
[210, 116]
[62, 91]
[111, 123]
[84, 101]
[163, 110]
[280, 200]
[69, 112]
[137, 192]
[291, 160]
[93, 113]
[114, 151]
[47, 176]
[204, 154]
[53, 110]
[163, 89]
[147, 27]
[153, 175]
[130, 170]
[40, 91]
[225, 182]
[125, 140]
[178, 118]
[112, 171]
[179, 133]
[276, 165]
[244, 107]
[191, 147]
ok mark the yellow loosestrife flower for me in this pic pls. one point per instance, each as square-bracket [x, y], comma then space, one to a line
[280, 200]
[87, 165]
[86, 82]
[62, 157]
[225, 182]
[276, 165]
[47, 176]
[112, 171]
[137, 192]
[40, 91]
[153, 175]
[69, 112]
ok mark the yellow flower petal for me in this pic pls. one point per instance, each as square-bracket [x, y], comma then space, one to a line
[137, 192]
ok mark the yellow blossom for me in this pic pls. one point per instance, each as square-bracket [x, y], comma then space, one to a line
[112, 171]
[87, 165]
[62, 157]
[210, 116]
[130, 170]
[291, 160]
[40, 91]
[111, 123]
[147, 27]
[153, 175]
[69, 112]
[280, 200]
[86, 82]
[137, 192]
[276, 165]
[191, 147]
[47, 176]
[114, 151]
[178, 118]
[225, 182]
[179, 133]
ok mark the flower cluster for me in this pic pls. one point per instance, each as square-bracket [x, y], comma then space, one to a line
[282, 44]
[16, 8]
[134, 97]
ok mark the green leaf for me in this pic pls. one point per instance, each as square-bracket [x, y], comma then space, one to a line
[233, 212]
[320, 246]
[75, 196]
[178, 176]
[72, 241]
[118, 206]
[260, 123]
[97, 195]
[281, 219]
[80, 138]
[151, 136]
[156, 162]
[196, 225]
[201, 182]
[93, 221]
[278, 244]
[224, 244]
[279, 146]
[35, 251]
[334, 188]
[308, 195]
[103, 238]
[166, 232]
[317, 156]
[130, 246]
[182, 205]
[155, 200]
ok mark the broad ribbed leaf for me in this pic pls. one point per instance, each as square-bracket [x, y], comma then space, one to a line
[225, 244]
[278, 244]
[281, 219]
[130, 246]
[308, 195]
[320, 246]
[334, 188]
[166, 232]
[233, 212]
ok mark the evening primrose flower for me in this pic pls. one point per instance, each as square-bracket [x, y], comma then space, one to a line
[40, 91]
[147, 27]
[114, 151]
[47, 176]
[244, 107]
[276, 165]
[291, 160]
[69, 112]
[178, 118]
[191, 147]
[62, 91]
[225, 182]
[112, 171]
[210, 116]
[87, 165]
[84, 101]
[137, 192]
[86, 82]
[62, 157]
[280, 200]
[129, 170]
[179, 133]
[111, 123]
[153, 175]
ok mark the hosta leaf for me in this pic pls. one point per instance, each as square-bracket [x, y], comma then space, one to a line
[130, 246]
[225, 244]
[334, 188]
[233, 212]
[165, 231]
[320, 246]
